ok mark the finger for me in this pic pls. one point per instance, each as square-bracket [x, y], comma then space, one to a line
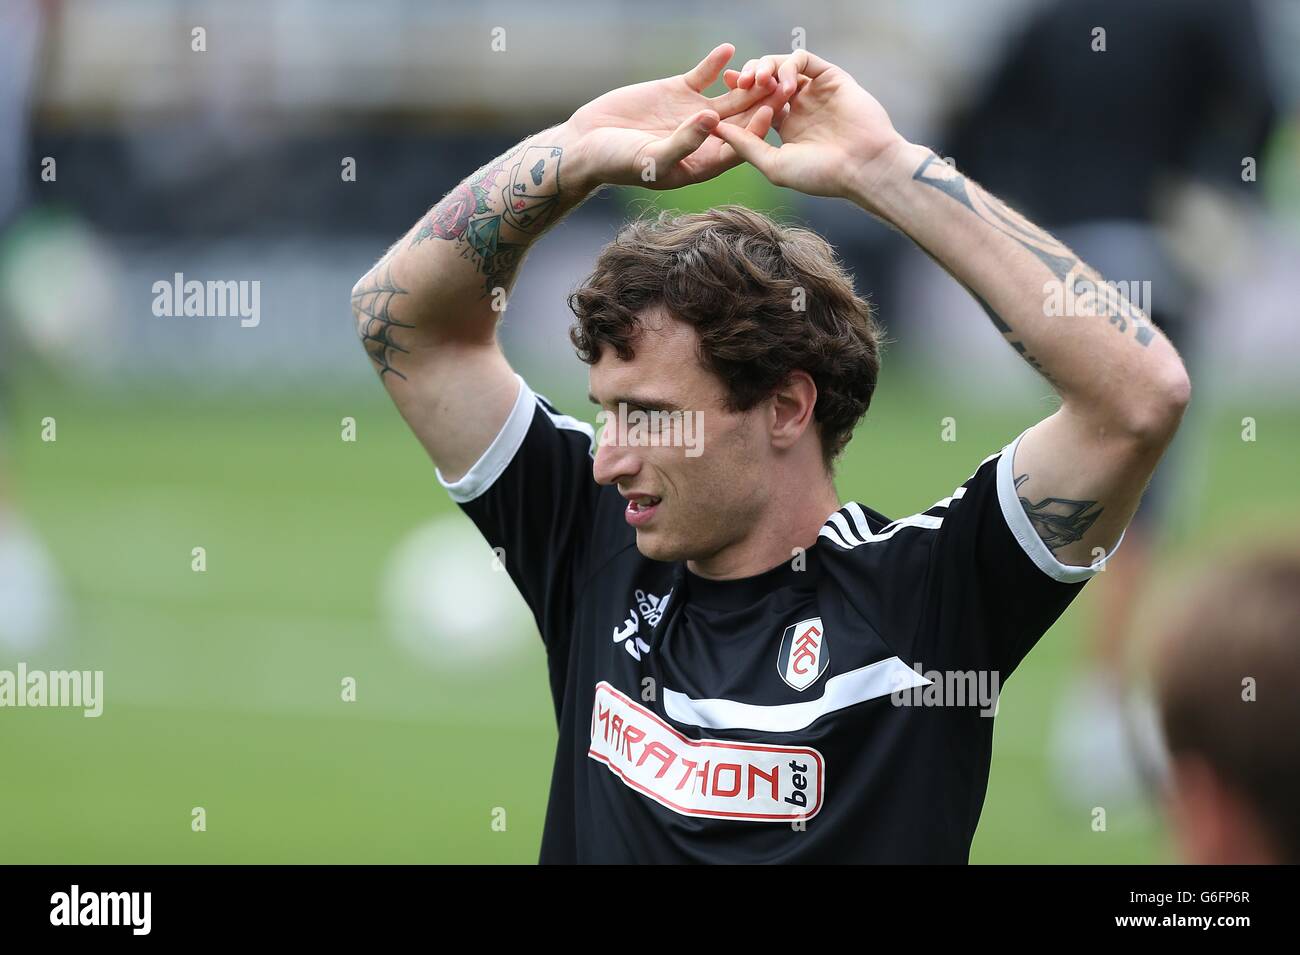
[782, 85]
[706, 71]
[780, 117]
[749, 147]
[762, 121]
[781, 103]
[807, 63]
[767, 68]
[730, 77]
[744, 110]
[758, 124]
[812, 65]
[685, 139]
[779, 100]
[739, 100]
[788, 73]
[747, 75]
[759, 69]
[777, 95]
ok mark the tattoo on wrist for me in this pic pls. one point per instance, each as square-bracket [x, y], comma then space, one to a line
[1059, 520]
[372, 305]
[1061, 262]
[518, 193]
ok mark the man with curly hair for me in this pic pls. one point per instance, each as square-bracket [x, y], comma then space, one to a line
[744, 668]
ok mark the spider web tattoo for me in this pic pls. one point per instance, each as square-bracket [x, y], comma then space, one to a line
[372, 305]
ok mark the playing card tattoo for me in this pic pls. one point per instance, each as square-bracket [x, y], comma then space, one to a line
[516, 196]
[533, 194]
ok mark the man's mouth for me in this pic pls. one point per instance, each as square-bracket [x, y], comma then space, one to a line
[640, 509]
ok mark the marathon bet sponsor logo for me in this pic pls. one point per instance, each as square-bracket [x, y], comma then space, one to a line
[718, 779]
[83, 688]
[951, 688]
[102, 908]
[803, 655]
[211, 299]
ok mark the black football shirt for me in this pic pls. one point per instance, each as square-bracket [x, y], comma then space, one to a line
[837, 708]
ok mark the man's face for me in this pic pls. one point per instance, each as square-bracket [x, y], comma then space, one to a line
[701, 488]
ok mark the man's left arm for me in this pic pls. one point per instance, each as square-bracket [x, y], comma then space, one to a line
[1079, 473]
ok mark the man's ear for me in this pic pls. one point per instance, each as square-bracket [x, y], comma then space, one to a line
[791, 409]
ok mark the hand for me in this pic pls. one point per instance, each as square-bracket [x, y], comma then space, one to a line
[835, 137]
[668, 121]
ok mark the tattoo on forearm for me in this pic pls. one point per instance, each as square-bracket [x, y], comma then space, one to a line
[1058, 520]
[1001, 325]
[372, 305]
[1012, 338]
[517, 193]
[1077, 275]
[998, 322]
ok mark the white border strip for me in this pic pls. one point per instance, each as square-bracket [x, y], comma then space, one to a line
[500, 452]
[1023, 530]
[570, 423]
[857, 686]
[929, 522]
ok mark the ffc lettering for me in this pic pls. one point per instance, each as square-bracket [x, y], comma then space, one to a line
[803, 656]
[805, 651]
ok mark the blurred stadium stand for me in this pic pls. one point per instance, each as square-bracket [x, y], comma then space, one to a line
[228, 161]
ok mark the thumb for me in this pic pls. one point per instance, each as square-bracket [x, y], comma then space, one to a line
[753, 149]
[685, 139]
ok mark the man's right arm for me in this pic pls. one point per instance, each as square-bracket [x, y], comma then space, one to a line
[427, 312]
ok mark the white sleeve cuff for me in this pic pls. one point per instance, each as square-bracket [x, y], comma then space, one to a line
[1023, 529]
[500, 452]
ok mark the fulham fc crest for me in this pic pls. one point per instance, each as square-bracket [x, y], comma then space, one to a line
[803, 656]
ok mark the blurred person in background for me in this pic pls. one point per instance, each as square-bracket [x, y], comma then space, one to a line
[28, 602]
[1226, 678]
[1179, 92]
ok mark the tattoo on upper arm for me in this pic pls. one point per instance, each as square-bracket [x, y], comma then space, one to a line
[1068, 269]
[1059, 520]
[518, 192]
[372, 305]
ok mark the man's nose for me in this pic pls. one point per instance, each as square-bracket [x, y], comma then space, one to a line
[614, 460]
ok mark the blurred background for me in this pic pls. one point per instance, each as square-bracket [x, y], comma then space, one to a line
[289, 142]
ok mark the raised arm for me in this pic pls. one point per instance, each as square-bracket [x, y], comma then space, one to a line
[1080, 473]
[427, 311]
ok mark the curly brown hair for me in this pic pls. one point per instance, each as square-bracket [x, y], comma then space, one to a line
[733, 274]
